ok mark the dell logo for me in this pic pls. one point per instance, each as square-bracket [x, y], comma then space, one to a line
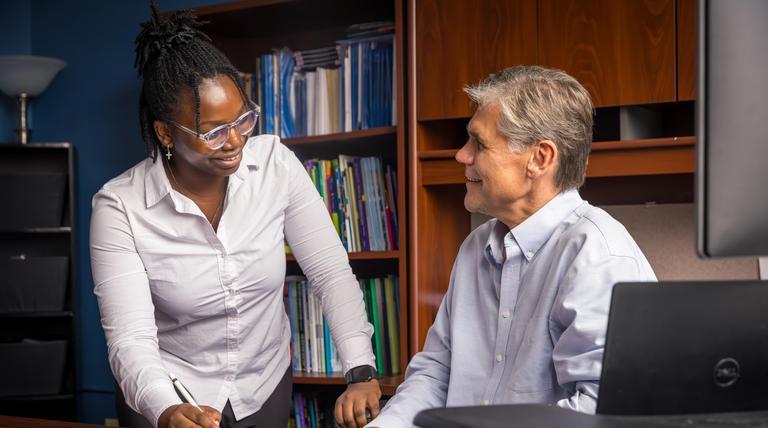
[726, 372]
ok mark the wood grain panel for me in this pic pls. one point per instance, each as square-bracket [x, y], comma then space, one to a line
[686, 50]
[441, 230]
[459, 42]
[623, 52]
[441, 134]
[661, 160]
[441, 171]
[608, 159]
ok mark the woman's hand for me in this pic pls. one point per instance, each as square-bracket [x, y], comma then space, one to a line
[352, 404]
[186, 415]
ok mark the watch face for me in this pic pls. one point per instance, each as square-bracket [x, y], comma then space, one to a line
[361, 374]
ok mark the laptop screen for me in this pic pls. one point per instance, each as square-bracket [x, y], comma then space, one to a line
[686, 347]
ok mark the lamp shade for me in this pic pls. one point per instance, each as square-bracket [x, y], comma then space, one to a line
[27, 74]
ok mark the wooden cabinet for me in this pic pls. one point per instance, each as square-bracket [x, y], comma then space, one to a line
[623, 52]
[686, 50]
[460, 42]
[634, 56]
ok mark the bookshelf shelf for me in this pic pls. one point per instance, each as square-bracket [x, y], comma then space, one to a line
[55, 397]
[608, 159]
[354, 136]
[15, 315]
[37, 238]
[37, 230]
[364, 255]
[388, 383]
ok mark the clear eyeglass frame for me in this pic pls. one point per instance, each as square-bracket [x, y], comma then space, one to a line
[218, 136]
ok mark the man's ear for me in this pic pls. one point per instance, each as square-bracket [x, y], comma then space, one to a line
[543, 158]
[163, 133]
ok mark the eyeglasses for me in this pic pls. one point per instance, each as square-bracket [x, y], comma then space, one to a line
[218, 136]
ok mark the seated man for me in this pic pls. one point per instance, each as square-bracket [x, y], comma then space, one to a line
[525, 314]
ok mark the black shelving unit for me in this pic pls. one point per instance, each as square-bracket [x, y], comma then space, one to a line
[37, 279]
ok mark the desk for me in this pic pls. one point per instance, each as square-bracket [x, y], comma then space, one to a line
[16, 422]
[545, 416]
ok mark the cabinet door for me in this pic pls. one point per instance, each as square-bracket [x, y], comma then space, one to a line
[686, 50]
[623, 52]
[460, 42]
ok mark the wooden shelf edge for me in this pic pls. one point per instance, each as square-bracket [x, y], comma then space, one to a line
[62, 229]
[438, 154]
[363, 255]
[18, 398]
[644, 144]
[41, 145]
[342, 136]
[654, 156]
[235, 6]
[388, 383]
[596, 146]
[47, 314]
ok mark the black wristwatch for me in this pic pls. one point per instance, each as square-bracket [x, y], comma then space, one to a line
[361, 374]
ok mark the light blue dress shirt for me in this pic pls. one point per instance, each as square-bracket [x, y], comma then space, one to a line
[525, 314]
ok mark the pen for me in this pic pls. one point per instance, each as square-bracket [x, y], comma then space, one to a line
[183, 391]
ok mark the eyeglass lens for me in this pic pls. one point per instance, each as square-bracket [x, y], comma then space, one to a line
[244, 125]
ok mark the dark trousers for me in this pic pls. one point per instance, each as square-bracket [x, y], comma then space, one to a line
[273, 414]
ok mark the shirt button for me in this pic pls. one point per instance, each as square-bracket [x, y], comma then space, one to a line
[529, 254]
[505, 314]
[486, 402]
[499, 358]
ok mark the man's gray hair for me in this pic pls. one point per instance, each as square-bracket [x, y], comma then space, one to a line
[538, 103]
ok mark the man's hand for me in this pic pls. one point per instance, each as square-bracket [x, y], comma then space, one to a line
[352, 404]
[188, 416]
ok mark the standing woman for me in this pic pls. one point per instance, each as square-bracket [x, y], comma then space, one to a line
[187, 250]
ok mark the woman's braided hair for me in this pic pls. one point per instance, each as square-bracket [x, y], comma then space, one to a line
[173, 54]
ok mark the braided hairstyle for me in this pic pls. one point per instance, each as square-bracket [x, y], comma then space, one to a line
[172, 54]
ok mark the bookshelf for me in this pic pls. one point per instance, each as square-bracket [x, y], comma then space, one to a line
[636, 59]
[245, 30]
[37, 278]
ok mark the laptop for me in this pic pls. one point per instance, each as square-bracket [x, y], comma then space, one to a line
[677, 354]
[686, 347]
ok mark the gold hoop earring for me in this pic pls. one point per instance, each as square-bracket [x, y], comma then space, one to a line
[168, 153]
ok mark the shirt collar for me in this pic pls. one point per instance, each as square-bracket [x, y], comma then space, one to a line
[156, 184]
[248, 161]
[531, 234]
[494, 247]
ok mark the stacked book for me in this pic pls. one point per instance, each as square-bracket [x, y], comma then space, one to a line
[341, 88]
[312, 347]
[382, 304]
[310, 412]
[361, 196]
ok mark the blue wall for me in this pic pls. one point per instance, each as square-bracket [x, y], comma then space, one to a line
[15, 40]
[92, 103]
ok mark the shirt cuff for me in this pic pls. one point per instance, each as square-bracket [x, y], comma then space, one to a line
[158, 398]
[356, 351]
[387, 421]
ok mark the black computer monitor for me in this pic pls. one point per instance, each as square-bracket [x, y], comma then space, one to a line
[732, 128]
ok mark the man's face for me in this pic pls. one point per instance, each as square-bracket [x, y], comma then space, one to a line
[496, 176]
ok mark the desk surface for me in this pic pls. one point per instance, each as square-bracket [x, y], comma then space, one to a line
[544, 416]
[16, 422]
